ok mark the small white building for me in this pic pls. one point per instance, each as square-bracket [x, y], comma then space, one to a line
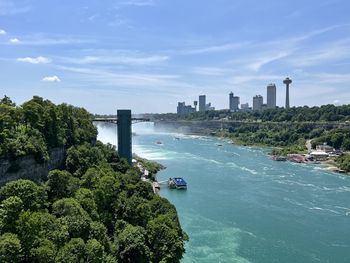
[325, 148]
[319, 155]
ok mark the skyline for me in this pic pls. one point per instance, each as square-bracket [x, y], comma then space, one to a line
[146, 55]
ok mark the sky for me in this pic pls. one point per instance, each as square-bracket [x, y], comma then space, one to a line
[147, 55]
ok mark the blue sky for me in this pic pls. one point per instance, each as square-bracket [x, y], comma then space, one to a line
[149, 54]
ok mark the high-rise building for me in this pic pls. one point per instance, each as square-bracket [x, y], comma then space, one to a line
[287, 81]
[182, 108]
[258, 102]
[202, 103]
[271, 96]
[195, 103]
[234, 102]
[245, 106]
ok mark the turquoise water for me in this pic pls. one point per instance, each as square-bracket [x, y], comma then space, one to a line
[241, 206]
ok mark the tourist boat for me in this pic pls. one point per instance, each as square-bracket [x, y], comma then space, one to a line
[159, 142]
[177, 182]
[279, 158]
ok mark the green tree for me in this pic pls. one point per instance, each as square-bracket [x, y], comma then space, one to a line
[71, 214]
[61, 184]
[10, 210]
[72, 252]
[32, 195]
[10, 248]
[131, 245]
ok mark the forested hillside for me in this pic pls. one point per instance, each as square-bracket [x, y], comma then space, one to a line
[95, 210]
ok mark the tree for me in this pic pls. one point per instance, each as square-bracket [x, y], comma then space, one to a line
[165, 240]
[131, 245]
[94, 251]
[61, 184]
[71, 214]
[86, 199]
[36, 229]
[32, 195]
[72, 252]
[80, 158]
[10, 210]
[10, 248]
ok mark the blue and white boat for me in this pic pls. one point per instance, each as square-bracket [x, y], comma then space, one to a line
[177, 182]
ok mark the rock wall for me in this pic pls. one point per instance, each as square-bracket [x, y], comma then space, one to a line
[27, 168]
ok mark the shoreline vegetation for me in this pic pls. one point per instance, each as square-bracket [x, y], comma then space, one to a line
[285, 131]
[95, 208]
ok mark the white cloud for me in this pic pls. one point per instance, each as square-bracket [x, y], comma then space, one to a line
[138, 2]
[8, 7]
[15, 41]
[38, 60]
[2, 32]
[51, 79]
[215, 49]
[125, 59]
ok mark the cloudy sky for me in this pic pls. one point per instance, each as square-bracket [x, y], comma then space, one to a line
[149, 54]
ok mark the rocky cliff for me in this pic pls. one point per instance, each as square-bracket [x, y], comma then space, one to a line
[27, 167]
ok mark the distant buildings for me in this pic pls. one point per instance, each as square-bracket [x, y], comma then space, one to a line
[202, 103]
[195, 103]
[209, 107]
[258, 102]
[271, 96]
[233, 102]
[183, 109]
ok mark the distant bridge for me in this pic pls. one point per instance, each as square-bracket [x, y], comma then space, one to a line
[115, 120]
[124, 122]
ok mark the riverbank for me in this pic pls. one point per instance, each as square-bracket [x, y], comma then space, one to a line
[285, 152]
[240, 202]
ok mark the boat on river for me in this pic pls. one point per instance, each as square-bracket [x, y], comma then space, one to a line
[279, 158]
[177, 183]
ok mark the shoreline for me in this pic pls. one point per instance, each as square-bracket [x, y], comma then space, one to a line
[328, 165]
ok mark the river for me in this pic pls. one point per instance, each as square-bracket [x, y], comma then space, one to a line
[240, 206]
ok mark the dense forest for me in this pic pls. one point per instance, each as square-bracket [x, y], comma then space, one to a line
[96, 209]
[39, 125]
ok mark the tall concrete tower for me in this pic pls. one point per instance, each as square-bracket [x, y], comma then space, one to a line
[124, 134]
[287, 81]
[271, 96]
[195, 103]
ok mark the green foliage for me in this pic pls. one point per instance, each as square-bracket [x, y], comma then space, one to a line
[39, 125]
[10, 248]
[95, 210]
[344, 162]
[33, 196]
[61, 184]
[131, 245]
[80, 158]
[10, 209]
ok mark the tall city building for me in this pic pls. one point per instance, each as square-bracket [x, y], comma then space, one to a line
[287, 81]
[234, 102]
[258, 102]
[195, 103]
[202, 103]
[271, 96]
[183, 109]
